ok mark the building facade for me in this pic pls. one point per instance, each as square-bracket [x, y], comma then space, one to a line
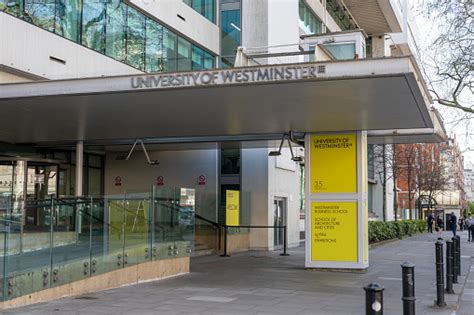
[158, 109]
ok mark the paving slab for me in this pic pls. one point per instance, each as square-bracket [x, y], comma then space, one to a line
[266, 283]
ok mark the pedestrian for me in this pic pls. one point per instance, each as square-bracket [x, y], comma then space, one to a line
[461, 224]
[470, 229]
[439, 222]
[453, 223]
[429, 221]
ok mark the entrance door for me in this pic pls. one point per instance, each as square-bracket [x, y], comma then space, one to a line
[279, 219]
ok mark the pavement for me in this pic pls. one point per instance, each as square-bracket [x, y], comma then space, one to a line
[266, 283]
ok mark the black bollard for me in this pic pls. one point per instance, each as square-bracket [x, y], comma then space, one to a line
[449, 267]
[408, 292]
[226, 228]
[439, 275]
[458, 244]
[374, 299]
[285, 243]
[455, 259]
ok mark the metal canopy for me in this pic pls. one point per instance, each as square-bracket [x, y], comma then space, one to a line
[375, 94]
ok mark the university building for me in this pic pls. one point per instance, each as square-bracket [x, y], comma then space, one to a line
[134, 134]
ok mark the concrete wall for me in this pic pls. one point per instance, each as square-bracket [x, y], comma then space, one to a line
[195, 26]
[178, 168]
[28, 48]
[283, 182]
[255, 182]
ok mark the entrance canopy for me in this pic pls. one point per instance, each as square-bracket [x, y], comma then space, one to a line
[369, 94]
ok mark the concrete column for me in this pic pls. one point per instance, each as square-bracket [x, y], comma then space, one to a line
[380, 46]
[79, 167]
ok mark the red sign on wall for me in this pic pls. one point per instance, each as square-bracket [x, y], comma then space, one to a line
[160, 181]
[202, 180]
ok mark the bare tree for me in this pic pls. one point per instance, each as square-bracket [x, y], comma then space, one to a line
[386, 159]
[406, 162]
[449, 61]
[431, 174]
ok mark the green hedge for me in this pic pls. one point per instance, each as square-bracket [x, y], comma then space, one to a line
[381, 231]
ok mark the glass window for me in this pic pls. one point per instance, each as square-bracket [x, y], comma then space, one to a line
[170, 50]
[197, 58]
[93, 24]
[13, 7]
[115, 30]
[94, 182]
[231, 32]
[41, 13]
[135, 39]
[68, 19]
[204, 7]
[342, 51]
[230, 161]
[95, 161]
[154, 47]
[308, 20]
[184, 54]
[209, 61]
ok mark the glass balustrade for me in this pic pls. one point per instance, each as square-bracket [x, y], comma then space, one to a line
[71, 239]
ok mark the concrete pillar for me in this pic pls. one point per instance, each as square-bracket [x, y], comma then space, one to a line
[380, 46]
[336, 201]
[79, 168]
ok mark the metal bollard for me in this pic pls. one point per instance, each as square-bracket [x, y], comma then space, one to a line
[458, 244]
[374, 299]
[225, 242]
[285, 242]
[439, 275]
[408, 288]
[455, 259]
[449, 267]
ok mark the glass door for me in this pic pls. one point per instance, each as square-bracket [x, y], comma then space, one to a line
[279, 219]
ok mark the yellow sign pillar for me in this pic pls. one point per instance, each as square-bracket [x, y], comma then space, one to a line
[232, 208]
[336, 192]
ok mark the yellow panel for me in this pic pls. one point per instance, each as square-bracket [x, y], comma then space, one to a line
[232, 207]
[334, 231]
[333, 163]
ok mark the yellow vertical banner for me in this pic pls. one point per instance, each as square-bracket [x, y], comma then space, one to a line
[333, 160]
[232, 208]
[334, 231]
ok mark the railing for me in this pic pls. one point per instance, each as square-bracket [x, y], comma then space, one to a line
[71, 239]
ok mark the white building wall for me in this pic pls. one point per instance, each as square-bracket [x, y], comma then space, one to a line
[254, 181]
[254, 23]
[194, 26]
[283, 37]
[283, 182]
[28, 48]
[179, 169]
